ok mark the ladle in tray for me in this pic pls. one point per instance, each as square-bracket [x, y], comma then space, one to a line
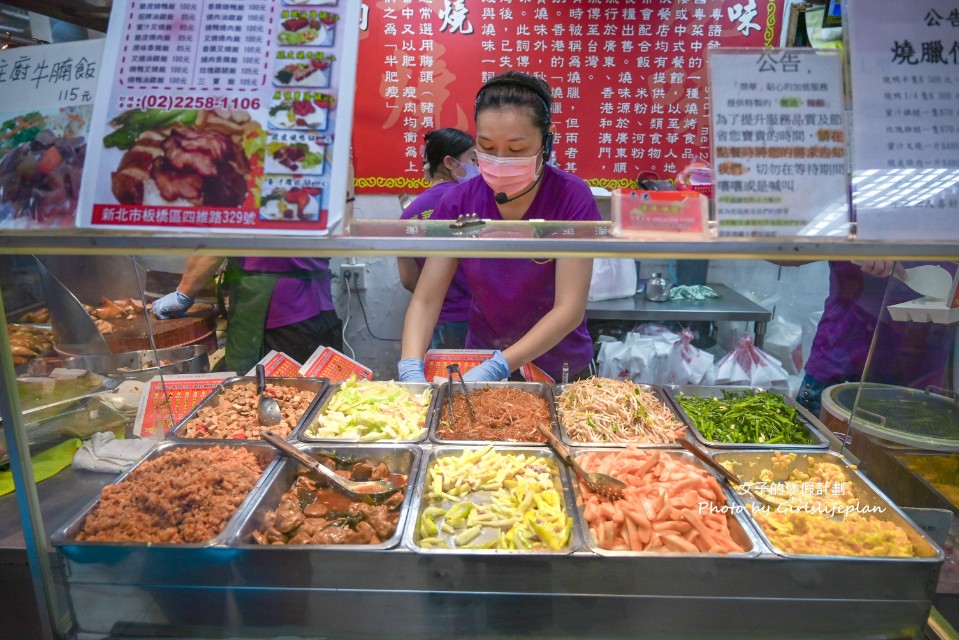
[601, 483]
[267, 410]
[375, 489]
[727, 475]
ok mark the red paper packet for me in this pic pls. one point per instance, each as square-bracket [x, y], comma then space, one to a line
[335, 366]
[279, 365]
[436, 361]
[184, 392]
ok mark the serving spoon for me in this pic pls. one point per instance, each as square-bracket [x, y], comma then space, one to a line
[727, 475]
[601, 483]
[267, 410]
[374, 489]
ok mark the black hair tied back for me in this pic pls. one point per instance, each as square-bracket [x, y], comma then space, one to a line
[517, 89]
[445, 142]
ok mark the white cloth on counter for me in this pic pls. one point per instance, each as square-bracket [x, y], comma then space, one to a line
[104, 453]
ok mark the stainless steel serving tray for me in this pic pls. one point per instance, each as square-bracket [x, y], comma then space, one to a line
[902, 458]
[142, 365]
[442, 410]
[321, 408]
[78, 418]
[752, 463]
[400, 458]
[648, 388]
[317, 385]
[560, 478]
[740, 527]
[66, 537]
[811, 426]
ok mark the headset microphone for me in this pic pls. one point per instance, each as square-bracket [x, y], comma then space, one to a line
[502, 198]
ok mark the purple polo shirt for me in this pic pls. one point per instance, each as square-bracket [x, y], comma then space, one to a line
[456, 306]
[907, 353]
[294, 299]
[510, 295]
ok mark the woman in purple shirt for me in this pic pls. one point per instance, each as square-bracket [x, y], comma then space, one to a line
[449, 157]
[908, 354]
[282, 304]
[526, 310]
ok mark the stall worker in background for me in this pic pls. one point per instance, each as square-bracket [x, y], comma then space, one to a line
[529, 309]
[449, 158]
[907, 353]
[284, 304]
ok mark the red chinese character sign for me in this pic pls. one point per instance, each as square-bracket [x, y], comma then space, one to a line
[628, 78]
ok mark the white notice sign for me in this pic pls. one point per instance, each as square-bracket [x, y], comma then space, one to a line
[905, 81]
[779, 147]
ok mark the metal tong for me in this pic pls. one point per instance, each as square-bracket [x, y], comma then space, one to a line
[455, 369]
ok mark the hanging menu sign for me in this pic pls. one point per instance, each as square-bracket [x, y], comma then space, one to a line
[905, 79]
[779, 155]
[44, 116]
[220, 116]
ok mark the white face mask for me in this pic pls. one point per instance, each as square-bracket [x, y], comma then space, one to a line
[507, 175]
[471, 171]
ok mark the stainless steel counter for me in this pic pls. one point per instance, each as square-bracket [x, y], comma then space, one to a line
[263, 592]
[730, 305]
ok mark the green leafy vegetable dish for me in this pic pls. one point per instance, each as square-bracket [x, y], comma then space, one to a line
[746, 417]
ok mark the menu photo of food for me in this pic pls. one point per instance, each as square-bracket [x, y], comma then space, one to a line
[302, 68]
[296, 152]
[307, 28]
[184, 157]
[292, 199]
[41, 162]
[300, 110]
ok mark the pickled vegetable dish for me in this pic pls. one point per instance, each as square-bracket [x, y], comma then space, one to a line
[367, 411]
[746, 417]
[503, 414]
[610, 410]
[485, 499]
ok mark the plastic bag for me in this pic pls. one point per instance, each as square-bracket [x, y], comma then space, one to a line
[612, 278]
[783, 341]
[633, 358]
[750, 365]
[686, 364]
[655, 355]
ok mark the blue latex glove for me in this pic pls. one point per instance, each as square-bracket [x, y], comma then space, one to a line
[172, 305]
[411, 370]
[496, 368]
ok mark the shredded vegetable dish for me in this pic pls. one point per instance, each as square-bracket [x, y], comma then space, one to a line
[610, 410]
[368, 411]
[503, 414]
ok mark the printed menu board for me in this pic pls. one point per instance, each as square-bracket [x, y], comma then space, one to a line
[905, 83]
[779, 143]
[223, 117]
[47, 100]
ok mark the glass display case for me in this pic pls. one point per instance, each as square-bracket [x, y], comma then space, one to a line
[117, 590]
